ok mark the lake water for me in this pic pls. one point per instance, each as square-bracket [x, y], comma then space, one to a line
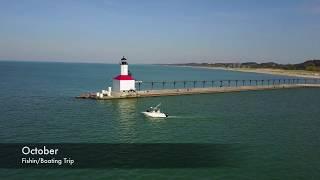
[278, 130]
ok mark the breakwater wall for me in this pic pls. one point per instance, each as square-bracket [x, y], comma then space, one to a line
[222, 86]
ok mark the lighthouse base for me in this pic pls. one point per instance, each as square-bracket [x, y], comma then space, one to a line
[123, 85]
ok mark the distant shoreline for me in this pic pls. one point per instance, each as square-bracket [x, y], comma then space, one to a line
[281, 72]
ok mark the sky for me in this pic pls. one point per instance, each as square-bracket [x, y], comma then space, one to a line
[160, 31]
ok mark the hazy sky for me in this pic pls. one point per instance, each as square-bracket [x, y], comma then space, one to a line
[160, 31]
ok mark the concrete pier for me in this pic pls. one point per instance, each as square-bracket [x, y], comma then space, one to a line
[190, 91]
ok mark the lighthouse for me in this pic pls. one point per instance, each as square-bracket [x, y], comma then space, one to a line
[124, 81]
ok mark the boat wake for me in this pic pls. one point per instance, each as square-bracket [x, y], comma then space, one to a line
[188, 117]
[175, 117]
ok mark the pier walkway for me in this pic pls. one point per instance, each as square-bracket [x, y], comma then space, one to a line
[222, 87]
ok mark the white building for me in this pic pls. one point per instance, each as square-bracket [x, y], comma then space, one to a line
[124, 81]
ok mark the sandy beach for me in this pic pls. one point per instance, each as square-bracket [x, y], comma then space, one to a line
[294, 73]
[281, 72]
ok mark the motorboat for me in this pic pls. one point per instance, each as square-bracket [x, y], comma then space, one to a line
[155, 112]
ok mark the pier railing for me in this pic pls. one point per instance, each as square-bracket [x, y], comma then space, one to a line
[178, 84]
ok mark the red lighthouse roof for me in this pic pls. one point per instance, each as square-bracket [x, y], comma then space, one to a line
[124, 77]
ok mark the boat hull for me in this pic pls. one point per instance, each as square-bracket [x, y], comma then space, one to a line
[155, 115]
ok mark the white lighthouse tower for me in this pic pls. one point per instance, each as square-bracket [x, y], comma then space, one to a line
[124, 81]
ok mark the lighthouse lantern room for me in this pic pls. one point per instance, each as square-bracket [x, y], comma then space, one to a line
[124, 81]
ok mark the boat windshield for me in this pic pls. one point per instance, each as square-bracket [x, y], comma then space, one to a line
[154, 109]
[150, 109]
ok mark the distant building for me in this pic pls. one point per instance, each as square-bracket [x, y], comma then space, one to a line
[124, 81]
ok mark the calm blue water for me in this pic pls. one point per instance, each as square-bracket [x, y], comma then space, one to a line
[278, 130]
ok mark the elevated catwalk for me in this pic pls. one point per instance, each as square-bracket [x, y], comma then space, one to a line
[190, 91]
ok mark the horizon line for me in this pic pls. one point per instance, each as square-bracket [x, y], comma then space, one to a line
[187, 62]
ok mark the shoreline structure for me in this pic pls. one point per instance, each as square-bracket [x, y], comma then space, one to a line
[124, 86]
[190, 91]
